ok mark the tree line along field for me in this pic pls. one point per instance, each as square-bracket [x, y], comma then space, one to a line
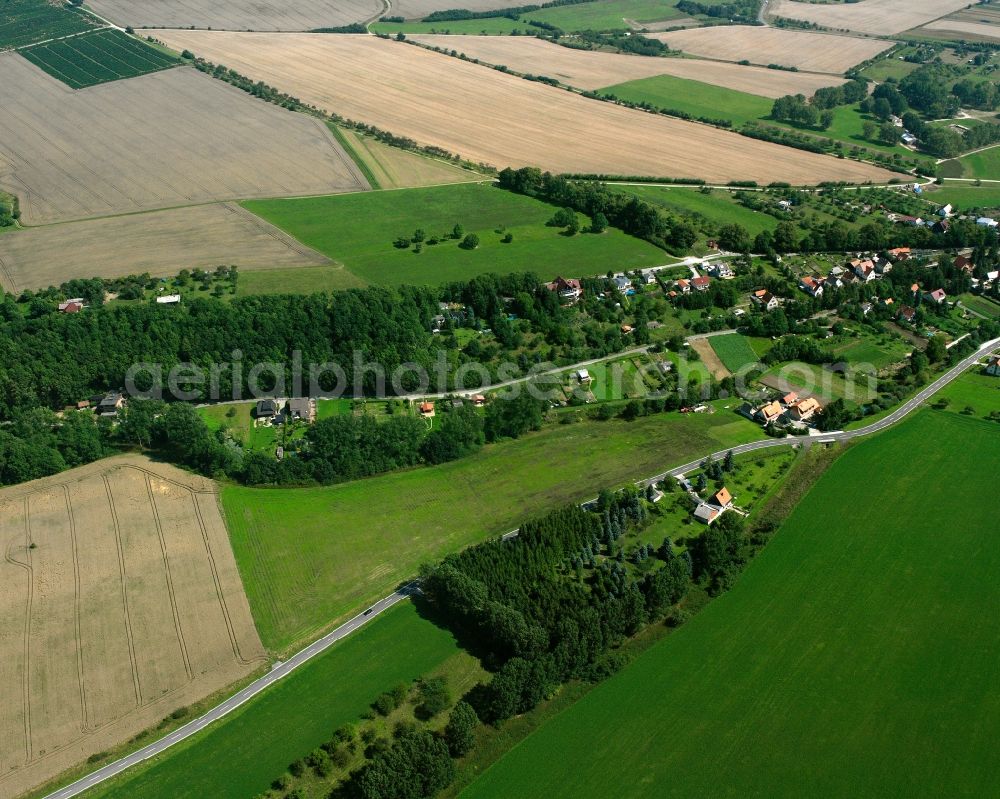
[23, 22]
[171, 138]
[358, 230]
[97, 57]
[852, 657]
[160, 243]
[240, 756]
[505, 120]
[310, 556]
[804, 50]
[874, 17]
[122, 603]
[584, 69]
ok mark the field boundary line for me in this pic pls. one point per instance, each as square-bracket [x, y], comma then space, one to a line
[24, 688]
[78, 623]
[170, 582]
[137, 684]
[26, 678]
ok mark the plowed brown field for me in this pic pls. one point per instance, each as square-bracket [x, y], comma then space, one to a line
[490, 117]
[121, 602]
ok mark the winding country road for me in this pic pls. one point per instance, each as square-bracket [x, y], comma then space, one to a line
[281, 670]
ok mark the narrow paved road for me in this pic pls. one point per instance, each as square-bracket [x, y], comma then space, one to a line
[281, 670]
[278, 671]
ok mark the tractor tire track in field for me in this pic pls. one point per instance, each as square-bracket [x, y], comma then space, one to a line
[124, 583]
[170, 583]
[9, 557]
[77, 601]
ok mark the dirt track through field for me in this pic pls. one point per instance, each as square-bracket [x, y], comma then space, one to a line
[161, 140]
[596, 70]
[487, 116]
[239, 15]
[121, 603]
[814, 52]
[878, 17]
[160, 243]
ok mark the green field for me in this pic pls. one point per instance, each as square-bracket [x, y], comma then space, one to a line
[311, 556]
[359, 230]
[717, 206]
[239, 757]
[602, 16]
[985, 164]
[965, 196]
[714, 102]
[981, 305]
[296, 280]
[98, 57]
[24, 22]
[856, 656]
[734, 351]
[975, 390]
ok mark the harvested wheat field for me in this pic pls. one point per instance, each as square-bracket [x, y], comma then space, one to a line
[240, 15]
[584, 69]
[394, 168]
[161, 140]
[878, 17]
[160, 243]
[490, 117]
[976, 24]
[813, 52]
[121, 603]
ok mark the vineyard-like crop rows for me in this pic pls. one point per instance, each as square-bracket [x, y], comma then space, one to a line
[97, 57]
[24, 22]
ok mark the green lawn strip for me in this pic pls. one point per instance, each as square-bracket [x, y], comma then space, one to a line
[361, 163]
[240, 756]
[296, 280]
[359, 230]
[981, 305]
[311, 556]
[734, 351]
[715, 205]
[853, 656]
[715, 102]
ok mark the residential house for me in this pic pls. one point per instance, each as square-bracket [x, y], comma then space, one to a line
[648, 277]
[945, 211]
[723, 498]
[168, 299]
[864, 269]
[993, 367]
[721, 270]
[709, 511]
[266, 409]
[82, 405]
[427, 409]
[301, 409]
[804, 409]
[908, 138]
[985, 221]
[74, 305]
[582, 375]
[812, 286]
[478, 400]
[626, 329]
[964, 264]
[907, 314]
[621, 283]
[706, 513]
[896, 121]
[789, 399]
[769, 412]
[568, 289]
[684, 286]
[866, 308]
[941, 226]
[110, 404]
[938, 296]
[701, 283]
[765, 299]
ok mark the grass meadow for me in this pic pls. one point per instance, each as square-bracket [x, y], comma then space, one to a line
[312, 556]
[854, 657]
[734, 351]
[966, 196]
[717, 205]
[984, 164]
[358, 230]
[975, 390]
[239, 757]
